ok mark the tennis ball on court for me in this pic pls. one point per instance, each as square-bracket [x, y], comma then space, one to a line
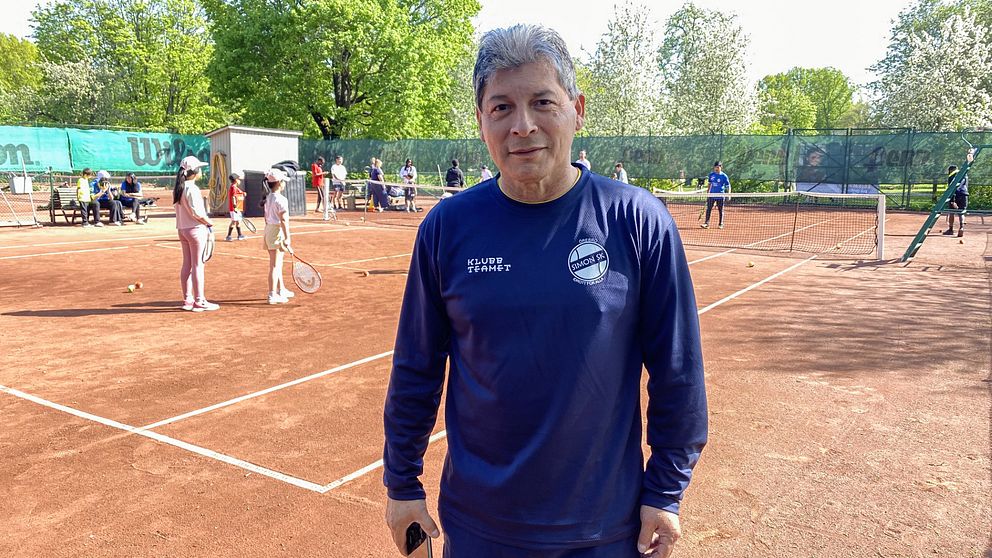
[138, 285]
[130, 288]
[365, 274]
[363, 219]
[750, 264]
[838, 246]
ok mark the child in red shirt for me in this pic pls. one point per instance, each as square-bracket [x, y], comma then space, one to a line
[235, 204]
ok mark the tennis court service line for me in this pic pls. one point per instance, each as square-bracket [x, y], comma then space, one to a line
[210, 454]
[266, 391]
[73, 252]
[149, 237]
[372, 467]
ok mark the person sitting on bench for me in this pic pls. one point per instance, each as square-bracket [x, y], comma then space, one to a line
[131, 197]
[108, 198]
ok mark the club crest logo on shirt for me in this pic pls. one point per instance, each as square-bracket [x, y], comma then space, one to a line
[588, 262]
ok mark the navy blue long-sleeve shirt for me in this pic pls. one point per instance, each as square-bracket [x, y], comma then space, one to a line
[547, 313]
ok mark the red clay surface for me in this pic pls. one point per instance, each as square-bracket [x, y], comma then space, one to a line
[849, 399]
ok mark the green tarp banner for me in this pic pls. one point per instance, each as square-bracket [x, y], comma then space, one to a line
[37, 148]
[134, 151]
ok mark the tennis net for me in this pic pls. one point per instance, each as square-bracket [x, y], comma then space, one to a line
[800, 221]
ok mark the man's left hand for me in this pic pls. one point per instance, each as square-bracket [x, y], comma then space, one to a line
[659, 532]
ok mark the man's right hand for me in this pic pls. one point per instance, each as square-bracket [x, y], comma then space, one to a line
[400, 514]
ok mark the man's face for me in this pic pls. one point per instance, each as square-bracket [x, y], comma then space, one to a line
[528, 122]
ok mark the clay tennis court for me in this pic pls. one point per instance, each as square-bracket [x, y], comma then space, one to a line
[849, 398]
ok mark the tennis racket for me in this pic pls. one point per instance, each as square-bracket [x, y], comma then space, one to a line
[306, 276]
[208, 250]
[248, 224]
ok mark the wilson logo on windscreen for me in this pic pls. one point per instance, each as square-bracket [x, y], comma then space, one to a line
[588, 262]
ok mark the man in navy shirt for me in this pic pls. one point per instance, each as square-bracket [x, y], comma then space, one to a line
[546, 290]
[958, 201]
[719, 184]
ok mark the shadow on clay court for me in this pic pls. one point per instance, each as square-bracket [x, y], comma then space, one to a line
[158, 307]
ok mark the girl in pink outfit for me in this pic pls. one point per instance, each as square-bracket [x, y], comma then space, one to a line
[193, 225]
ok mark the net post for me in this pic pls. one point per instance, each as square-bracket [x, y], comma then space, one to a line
[880, 228]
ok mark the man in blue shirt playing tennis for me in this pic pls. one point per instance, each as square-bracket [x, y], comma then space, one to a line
[546, 290]
[719, 184]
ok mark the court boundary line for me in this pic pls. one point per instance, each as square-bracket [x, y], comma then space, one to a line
[265, 391]
[168, 440]
[289, 479]
[173, 236]
[699, 312]
[39, 255]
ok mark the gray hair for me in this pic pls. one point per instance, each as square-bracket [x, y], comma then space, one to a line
[512, 47]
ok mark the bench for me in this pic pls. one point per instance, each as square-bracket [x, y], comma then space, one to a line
[64, 199]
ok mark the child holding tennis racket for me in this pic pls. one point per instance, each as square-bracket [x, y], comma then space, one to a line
[194, 226]
[277, 234]
[236, 205]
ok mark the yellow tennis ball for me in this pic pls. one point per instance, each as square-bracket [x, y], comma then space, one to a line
[365, 274]
[750, 264]
[130, 288]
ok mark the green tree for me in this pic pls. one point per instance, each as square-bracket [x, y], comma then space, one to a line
[806, 98]
[622, 93]
[704, 86]
[154, 54]
[936, 78]
[830, 91]
[783, 105]
[343, 68]
[20, 77]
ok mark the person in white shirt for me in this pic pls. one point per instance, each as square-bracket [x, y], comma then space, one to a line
[486, 174]
[619, 173]
[338, 175]
[583, 161]
[277, 234]
[409, 176]
[194, 226]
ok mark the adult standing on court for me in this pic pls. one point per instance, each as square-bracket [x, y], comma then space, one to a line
[583, 161]
[959, 201]
[719, 184]
[619, 173]
[485, 174]
[194, 226]
[338, 176]
[545, 291]
[408, 174]
[377, 185]
[317, 181]
[454, 177]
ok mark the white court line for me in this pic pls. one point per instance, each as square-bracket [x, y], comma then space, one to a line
[152, 237]
[73, 252]
[341, 264]
[240, 463]
[265, 391]
[372, 467]
[730, 297]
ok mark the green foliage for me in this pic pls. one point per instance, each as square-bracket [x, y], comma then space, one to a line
[621, 88]
[783, 105]
[704, 87]
[806, 98]
[357, 68]
[20, 77]
[935, 73]
[151, 54]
